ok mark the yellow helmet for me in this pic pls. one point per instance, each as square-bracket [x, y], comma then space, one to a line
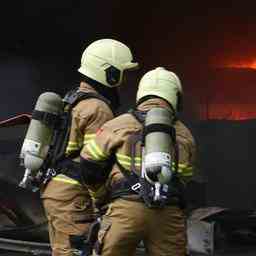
[105, 61]
[161, 83]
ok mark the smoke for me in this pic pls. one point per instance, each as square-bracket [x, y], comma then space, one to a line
[19, 89]
[23, 79]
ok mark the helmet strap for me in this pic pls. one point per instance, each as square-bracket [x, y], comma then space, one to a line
[109, 93]
[179, 102]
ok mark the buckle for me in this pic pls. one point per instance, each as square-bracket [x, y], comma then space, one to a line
[136, 186]
[49, 174]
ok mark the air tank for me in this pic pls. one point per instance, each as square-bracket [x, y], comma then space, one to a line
[158, 146]
[40, 132]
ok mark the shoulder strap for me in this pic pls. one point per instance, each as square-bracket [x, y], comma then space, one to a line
[74, 96]
[140, 116]
[71, 99]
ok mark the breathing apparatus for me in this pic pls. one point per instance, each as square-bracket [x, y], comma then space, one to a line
[39, 137]
[158, 157]
[44, 147]
[159, 148]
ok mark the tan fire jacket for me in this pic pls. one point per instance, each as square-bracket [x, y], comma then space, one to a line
[87, 117]
[115, 137]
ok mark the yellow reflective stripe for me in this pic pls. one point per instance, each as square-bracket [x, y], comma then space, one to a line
[127, 158]
[95, 151]
[94, 156]
[124, 166]
[72, 147]
[128, 164]
[75, 182]
[72, 143]
[122, 162]
[185, 170]
[126, 161]
[182, 166]
[88, 137]
[120, 156]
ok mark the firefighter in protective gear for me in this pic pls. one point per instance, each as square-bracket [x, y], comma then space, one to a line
[128, 220]
[69, 207]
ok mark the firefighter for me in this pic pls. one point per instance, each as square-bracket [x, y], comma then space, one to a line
[131, 217]
[68, 205]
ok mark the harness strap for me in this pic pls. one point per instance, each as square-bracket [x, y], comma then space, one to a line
[60, 140]
[70, 168]
[134, 184]
[46, 118]
[123, 189]
[56, 162]
[74, 96]
[158, 128]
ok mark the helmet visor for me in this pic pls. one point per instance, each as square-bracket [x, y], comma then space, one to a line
[130, 66]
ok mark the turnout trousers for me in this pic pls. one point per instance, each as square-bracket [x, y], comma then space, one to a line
[69, 211]
[126, 223]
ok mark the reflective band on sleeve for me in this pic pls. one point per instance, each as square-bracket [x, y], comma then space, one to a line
[185, 170]
[124, 165]
[127, 158]
[88, 137]
[95, 151]
[72, 146]
[124, 157]
[70, 181]
[126, 161]
[91, 152]
[138, 160]
[128, 164]
[122, 162]
[72, 143]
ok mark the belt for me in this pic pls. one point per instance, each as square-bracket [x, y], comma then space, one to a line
[70, 168]
[122, 189]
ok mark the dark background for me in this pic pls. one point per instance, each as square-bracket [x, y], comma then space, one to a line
[42, 41]
[212, 47]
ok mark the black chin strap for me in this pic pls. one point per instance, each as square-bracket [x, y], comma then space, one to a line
[109, 93]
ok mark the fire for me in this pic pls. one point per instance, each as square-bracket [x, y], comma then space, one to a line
[242, 64]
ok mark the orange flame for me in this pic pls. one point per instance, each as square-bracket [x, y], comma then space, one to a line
[242, 64]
